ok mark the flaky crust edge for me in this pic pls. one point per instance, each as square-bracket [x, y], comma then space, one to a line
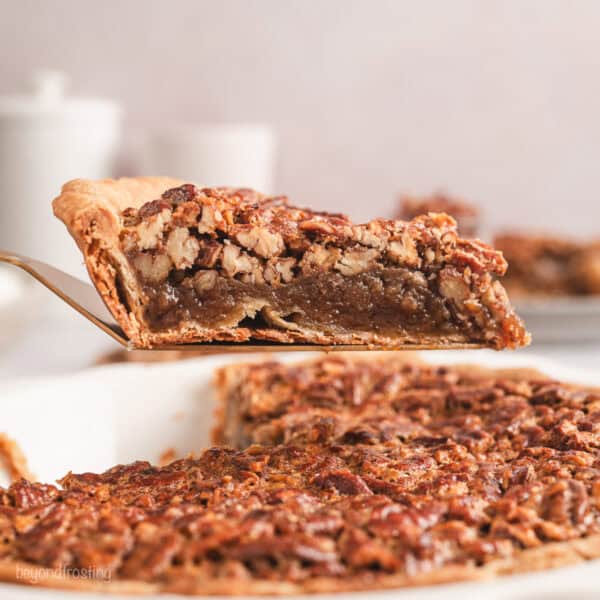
[91, 212]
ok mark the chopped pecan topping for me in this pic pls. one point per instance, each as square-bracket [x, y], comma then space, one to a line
[261, 241]
[345, 482]
[488, 462]
[210, 252]
[356, 260]
[180, 195]
[466, 214]
[205, 280]
[269, 227]
[131, 217]
[444, 467]
[153, 268]
[150, 230]
[320, 258]
[280, 270]
[317, 226]
[186, 215]
[236, 261]
[211, 217]
[404, 251]
[453, 286]
[150, 209]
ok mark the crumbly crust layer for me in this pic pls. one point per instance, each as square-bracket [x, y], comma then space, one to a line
[159, 262]
[550, 266]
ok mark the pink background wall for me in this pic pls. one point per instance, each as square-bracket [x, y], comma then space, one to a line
[496, 100]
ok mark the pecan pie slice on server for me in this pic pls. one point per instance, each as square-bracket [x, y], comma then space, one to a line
[178, 264]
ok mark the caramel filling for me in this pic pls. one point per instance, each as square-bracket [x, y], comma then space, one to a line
[390, 301]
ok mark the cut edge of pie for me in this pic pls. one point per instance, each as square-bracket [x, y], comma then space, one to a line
[234, 427]
[178, 264]
[91, 212]
[228, 429]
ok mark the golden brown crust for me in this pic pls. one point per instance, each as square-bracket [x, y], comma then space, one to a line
[91, 211]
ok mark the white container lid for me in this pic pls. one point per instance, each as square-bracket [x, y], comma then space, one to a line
[46, 96]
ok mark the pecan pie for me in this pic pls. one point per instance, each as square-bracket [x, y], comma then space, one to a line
[550, 266]
[465, 213]
[177, 264]
[394, 473]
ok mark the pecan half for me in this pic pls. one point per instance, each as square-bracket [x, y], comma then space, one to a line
[261, 241]
[204, 281]
[150, 230]
[154, 268]
[182, 248]
[356, 260]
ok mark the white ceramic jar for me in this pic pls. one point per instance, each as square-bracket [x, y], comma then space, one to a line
[236, 155]
[47, 139]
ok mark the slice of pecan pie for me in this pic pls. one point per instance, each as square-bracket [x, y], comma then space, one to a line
[178, 264]
[550, 265]
[466, 214]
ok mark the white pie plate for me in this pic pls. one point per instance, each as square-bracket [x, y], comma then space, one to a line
[91, 420]
[568, 319]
